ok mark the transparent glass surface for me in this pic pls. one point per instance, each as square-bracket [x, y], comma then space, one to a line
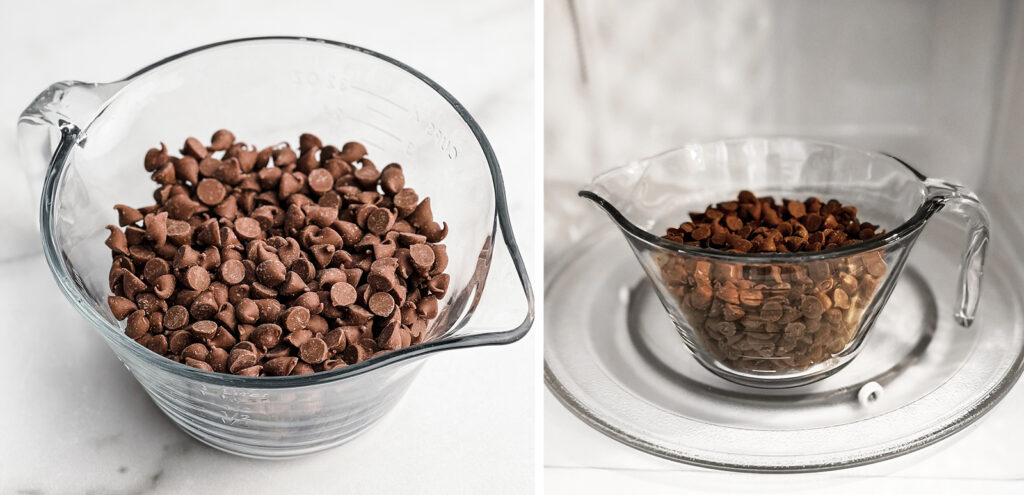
[781, 319]
[613, 357]
[267, 90]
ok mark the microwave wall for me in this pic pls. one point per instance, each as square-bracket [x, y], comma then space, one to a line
[937, 83]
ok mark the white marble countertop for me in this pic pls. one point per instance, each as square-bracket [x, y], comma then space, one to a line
[72, 418]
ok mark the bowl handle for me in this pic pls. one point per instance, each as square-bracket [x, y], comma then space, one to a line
[965, 203]
[48, 130]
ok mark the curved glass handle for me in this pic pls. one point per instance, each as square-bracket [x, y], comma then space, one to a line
[965, 203]
[64, 107]
[55, 118]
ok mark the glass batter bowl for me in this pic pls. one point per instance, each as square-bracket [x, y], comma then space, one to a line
[782, 319]
[266, 90]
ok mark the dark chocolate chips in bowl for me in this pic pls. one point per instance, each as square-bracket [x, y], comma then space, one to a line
[784, 316]
[272, 262]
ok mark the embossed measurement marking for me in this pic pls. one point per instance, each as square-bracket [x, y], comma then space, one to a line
[441, 137]
[381, 97]
[234, 419]
[374, 126]
[340, 82]
[240, 402]
[330, 80]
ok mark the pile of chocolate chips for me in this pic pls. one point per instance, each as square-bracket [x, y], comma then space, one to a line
[760, 225]
[765, 316]
[266, 262]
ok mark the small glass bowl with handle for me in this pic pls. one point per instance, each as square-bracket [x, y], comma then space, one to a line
[776, 320]
[84, 144]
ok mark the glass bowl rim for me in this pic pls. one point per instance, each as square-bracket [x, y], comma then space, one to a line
[906, 230]
[71, 134]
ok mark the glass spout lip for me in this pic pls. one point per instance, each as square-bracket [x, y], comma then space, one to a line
[72, 136]
[905, 230]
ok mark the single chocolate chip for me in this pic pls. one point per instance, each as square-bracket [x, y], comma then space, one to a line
[406, 201]
[178, 341]
[117, 242]
[179, 232]
[137, 324]
[266, 335]
[280, 366]
[390, 337]
[211, 192]
[164, 175]
[438, 285]
[198, 364]
[381, 304]
[320, 180]
[292, 286]
[440, 258]
[352, 152]
[121, 307]
[246, 311]
[196, 351]
[427, 306]
[127, 215]
[176, 317]
[296, 318]
[322, 216]
[239, 359]
[356, 353]
[204, 306]
[163, 286]
[232, 272]
[335, 339]
[221, 140]
[271, 273]
[289, 184]
[194, 148]
[298, 337]
[343, 294]
[379, 221]
[218, 360]
[422, 256]
[155, 158]
[302, 368]
[314, 351]
[796, 209]
[205, 329]
[422, 215]
[310, 301]
[197, 278]
[247, 228]
[392, 179]
[131, 285]
[270, 309]
[309, 142]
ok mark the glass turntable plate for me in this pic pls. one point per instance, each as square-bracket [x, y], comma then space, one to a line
[614, 359]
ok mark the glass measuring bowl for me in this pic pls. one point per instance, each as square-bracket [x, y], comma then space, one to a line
[782, 319]
[93, 136]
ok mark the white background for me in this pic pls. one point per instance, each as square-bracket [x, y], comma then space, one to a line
[72, 420]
